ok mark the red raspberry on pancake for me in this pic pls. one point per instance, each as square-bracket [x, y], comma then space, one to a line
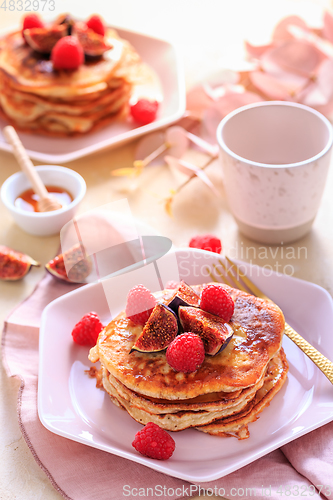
[186, 353]
[216, 300]
[32, 21]
[67, 53]
[140, 304]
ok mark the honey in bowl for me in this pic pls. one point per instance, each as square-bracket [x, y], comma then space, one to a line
[28, 200]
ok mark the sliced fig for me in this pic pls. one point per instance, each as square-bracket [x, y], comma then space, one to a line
[14, 265]
[79, 264]
[67, 20]
[184, 296]
[44, 39]
[159, 331]
[92, 43]
[215, 333]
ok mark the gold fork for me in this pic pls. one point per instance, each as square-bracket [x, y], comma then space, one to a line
[324, 364]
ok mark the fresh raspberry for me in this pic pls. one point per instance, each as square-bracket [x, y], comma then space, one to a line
[186, 353]
[154, 442]
[67, 53]
[206, 242]
[31, 21]
[144, 111]
[216, 300]
[86, 331]
[95, 23]
[172, 284]
[140, 303]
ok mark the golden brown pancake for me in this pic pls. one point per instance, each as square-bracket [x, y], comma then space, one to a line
[258, 329]
[214, 401]
[237, 424]
[220, 421]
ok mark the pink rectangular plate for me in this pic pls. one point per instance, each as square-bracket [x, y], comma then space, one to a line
[70, 405]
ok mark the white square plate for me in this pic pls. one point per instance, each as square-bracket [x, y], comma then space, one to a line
[164, 59]
[70, 405]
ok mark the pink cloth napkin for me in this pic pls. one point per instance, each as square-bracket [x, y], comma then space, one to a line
[79, 472]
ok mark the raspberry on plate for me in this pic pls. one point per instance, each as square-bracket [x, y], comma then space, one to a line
[86, 331]
[67, 53]
[144, 111]
[154, 442]
[31, 21]
[96, 24]
[139, 305]
[206, 242]
[216, 300]
[186, 353]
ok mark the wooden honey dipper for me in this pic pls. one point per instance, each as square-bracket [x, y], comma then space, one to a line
[46, 203]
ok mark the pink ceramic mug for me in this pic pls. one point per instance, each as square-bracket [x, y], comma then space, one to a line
[275, 158]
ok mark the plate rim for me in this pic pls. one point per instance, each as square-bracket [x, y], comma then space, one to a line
[276, 443]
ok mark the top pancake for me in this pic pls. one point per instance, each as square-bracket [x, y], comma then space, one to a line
[32, 72]
[258, 329]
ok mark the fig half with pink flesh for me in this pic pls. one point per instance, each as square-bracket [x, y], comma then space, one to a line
[79, 265]
[184, 295]
[159, 331]
[92, 43]
[14, 265]
[44, 39]
[214, 332]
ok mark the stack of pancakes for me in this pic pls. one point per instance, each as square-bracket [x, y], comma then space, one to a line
[222, 397]
[36, 98]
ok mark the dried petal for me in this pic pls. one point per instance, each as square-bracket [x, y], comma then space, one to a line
[327, 30]
[177, 140]
[168, 205]
[324, 46]
[296, 56]
[147, 145]
[189, 169]
[230, 102]
[128, 172]
[256, 51]
[281, 31]
[197, 100]
[210, 119]
[319, 92]
[270, 86]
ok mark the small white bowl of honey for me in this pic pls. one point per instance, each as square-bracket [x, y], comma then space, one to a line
[66, 185]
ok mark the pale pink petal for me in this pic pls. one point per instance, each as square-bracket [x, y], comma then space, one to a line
[292, 81]
[327, 30]
[147, 145]
[176, 138]
[197, 100]
[212, 150]
[281, 31]
[210, 119]
[296, 56]
[230, 102]
[189, 169]
[270, 86]
[320, 91]
[221, 83]
[325, 46]
[256, 51]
